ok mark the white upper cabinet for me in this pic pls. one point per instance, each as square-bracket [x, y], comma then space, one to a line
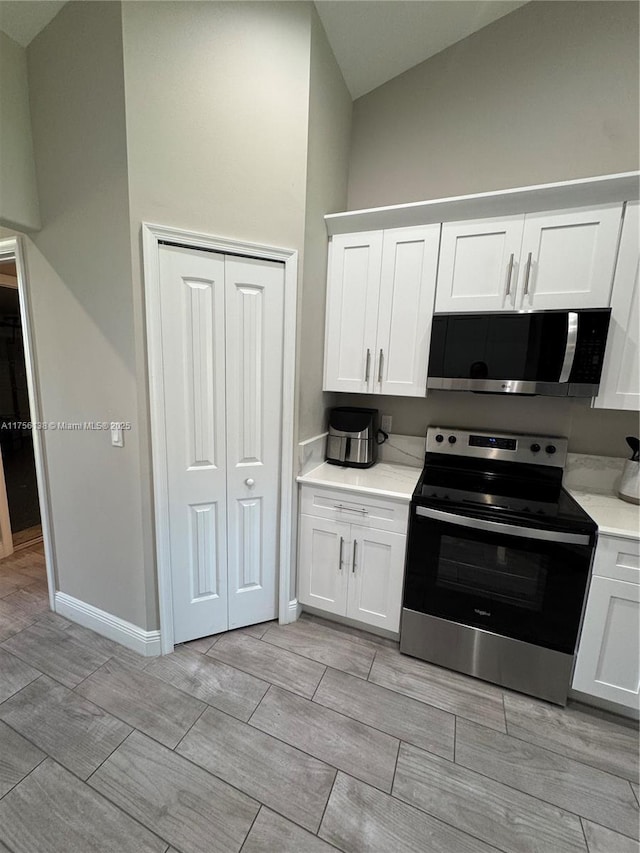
[407, 288]
[479, 265]
[560, 259]
[352, 311]
[568, 258]
[620, 383]
[380, 294]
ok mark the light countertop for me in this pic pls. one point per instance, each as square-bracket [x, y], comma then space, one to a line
[593, 481]
[397, 482]
[384, 480]
[613, 516]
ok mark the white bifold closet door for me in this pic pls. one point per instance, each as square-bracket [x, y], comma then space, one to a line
[222, 331]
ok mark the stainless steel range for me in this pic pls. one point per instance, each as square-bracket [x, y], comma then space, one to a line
[498, 561]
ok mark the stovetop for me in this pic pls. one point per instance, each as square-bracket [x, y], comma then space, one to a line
[524, 491]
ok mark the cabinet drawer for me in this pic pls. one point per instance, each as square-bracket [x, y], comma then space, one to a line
[617, 558]
[346, 506]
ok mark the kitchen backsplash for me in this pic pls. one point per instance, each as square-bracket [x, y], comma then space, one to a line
[589, 430]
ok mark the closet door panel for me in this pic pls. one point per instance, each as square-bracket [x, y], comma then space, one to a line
[254, 333]
[193, 341]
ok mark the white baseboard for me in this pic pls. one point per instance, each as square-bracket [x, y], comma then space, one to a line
[146, 643]
[292, 612]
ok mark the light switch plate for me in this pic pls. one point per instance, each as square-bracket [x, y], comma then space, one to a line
[117, 435]
[385, 423]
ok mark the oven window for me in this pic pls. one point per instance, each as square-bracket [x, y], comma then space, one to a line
[495, 572]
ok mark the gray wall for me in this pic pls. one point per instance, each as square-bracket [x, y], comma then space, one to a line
[547, 93]
[326, 192]
[18, 195]
[79, 268]
[217, 100]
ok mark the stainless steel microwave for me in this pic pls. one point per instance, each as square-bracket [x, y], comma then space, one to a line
[552, 353]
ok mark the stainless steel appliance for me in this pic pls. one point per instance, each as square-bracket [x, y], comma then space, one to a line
[553, 353]
[353, 437]
[498, 561]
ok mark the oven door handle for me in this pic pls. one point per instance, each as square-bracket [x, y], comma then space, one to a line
[499, 527]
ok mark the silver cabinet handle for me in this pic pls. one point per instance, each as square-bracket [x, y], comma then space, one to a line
[380, 367]
[366, 370]
[509, 274]
[342, 508]
[527, 275]
[353, 564]
[500, 527]
[340, 556]
[250, 482]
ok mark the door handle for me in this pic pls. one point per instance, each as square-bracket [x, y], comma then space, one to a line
[527, 275]
[368, 366]
[509, 275]
[340, 555]
[353, 563]
[380, 367]
[250, 482]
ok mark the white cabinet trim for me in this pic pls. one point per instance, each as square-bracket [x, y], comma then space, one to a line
[152, 235]
[584, 192]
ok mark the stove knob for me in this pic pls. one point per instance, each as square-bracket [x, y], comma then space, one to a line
[439, 438]
[535, 448]
[452, 439]
[550, 449]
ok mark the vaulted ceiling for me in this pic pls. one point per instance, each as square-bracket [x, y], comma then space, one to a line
[373, 40]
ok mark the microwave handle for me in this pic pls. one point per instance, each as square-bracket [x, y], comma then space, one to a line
[499, 527]
[570, 348]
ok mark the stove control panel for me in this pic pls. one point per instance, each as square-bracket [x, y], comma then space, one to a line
[510, 447]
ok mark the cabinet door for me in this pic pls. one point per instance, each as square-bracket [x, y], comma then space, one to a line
[620, 384]
[568, 258]
[607, 665]
[407, 290]
[376, 573]
[353, 286]
[322, 564]
[479, 264]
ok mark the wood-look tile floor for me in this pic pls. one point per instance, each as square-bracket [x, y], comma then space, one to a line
[306, 738]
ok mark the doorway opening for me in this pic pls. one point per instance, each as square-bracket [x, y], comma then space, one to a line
[25, 542]
[18, 483]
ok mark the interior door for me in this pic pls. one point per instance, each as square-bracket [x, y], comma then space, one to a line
[407, 290]
[479, 264]
[353, 284]
[254, 324]
[568, 258]
[192, 306]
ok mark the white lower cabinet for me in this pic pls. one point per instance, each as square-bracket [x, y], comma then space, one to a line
[608, 660]
[352, 569]
[322, 574]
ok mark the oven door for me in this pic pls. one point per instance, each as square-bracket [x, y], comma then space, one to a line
[517, 581]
